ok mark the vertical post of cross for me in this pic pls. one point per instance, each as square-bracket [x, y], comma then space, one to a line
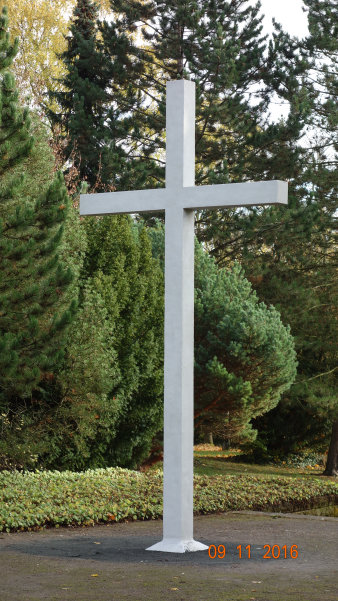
[179, 318]
[180, 134]
[179, 325]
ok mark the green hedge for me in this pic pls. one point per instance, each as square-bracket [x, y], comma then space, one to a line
[50, 498]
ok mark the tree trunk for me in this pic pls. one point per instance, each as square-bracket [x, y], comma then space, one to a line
[226, 444]
[210, 438]
[331, 468]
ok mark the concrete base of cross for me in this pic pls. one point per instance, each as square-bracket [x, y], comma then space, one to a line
[176, 545]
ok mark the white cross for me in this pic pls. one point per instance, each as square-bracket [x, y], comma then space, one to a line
[179, 199]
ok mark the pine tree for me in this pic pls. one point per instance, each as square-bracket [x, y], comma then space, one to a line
[220, 46]
[244, 356]
[16, 147]
[34, 308]
[322, 45]
[298, 268]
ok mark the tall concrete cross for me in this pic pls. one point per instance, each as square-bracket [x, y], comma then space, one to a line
[179, 199]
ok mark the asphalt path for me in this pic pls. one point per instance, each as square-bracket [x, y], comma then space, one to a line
[246, 561]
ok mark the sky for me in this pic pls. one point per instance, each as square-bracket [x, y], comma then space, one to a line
[288, 13]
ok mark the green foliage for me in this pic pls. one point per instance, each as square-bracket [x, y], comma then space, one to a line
[7, 50]
[257, 452]
[120, 265]
[244, 355]
[74, 410]
[33, 313]
[307, 459]
[288, 253]
[33, 318]
[15, 138]
[322, 45]
[313, 407]
[71, 409]
[36, 307]
[51, 498]
[38, 166]
[298, 269]
[107, 372]
[220, 46]
[82, 102]
[92, 123]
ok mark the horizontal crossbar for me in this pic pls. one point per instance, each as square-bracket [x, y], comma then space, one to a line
[193, 197]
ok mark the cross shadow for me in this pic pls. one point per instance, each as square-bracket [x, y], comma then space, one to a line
[122, 549]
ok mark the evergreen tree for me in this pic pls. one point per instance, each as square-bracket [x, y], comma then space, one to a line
[120, 267]
[34, 308]
[59, 428]
[93, 120]
[298, 268]
[322, 46]
[73, 411]
[220, 46]
[296, 273]
[82, 104]
[18, 146]
[286, 251]
[97, 129]
[244, 356]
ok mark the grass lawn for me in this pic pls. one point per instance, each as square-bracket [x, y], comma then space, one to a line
[217, 465]
[34, 500]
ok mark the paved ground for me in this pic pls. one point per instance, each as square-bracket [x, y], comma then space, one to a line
[109, 563]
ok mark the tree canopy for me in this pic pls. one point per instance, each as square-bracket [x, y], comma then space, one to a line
[35, 309]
